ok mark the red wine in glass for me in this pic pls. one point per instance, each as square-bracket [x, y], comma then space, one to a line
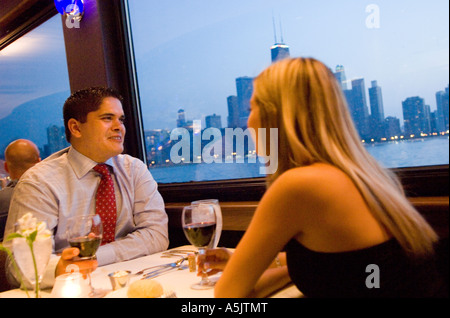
[199, 227]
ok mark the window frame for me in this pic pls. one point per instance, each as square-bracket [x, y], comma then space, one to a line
[426, 181]
[26, 16]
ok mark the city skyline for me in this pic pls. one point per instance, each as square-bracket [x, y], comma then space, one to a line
[407, 55]
[365, 122]
[372, 126]
[55, 133]
[194, 63]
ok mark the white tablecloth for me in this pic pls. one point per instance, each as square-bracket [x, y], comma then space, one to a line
[177, 280]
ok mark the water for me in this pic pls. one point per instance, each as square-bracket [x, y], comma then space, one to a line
[206, 172]
[395, 154]
[412, 152]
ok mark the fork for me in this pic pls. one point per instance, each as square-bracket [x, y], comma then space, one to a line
[170, 265]
[164, 269]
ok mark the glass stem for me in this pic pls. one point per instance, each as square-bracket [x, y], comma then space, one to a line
[90, 283]
[205, 279]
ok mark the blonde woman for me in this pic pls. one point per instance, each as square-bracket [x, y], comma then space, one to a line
[346, 226]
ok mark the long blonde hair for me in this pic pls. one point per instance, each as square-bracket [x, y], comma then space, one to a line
[302, 98]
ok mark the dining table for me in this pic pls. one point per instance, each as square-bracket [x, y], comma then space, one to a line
[176, 282]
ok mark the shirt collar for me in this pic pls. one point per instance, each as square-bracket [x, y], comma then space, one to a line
[81, 164]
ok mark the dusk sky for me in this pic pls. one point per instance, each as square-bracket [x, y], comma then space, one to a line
[189, 52]
[33, 66]
[191, 60]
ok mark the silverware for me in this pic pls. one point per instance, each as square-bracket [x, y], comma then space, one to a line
[162, 266]
[145, 269]
[157, 272]
[178, 253]
[182, 251]
[165, 268]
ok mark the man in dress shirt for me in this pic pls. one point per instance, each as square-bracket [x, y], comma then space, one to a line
[20, 155]
[65, 185]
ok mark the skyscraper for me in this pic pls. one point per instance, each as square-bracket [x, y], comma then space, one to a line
[213, 121]
[239, 106]
[233, 111]
[442, 110]
[244, 87]
[426, 125]
[356, 98]
[392, 126]
[376, 102]
[181, 120]
[376, 111]
[414, 116]
[279, 52]
[56, 138]
[340, 76]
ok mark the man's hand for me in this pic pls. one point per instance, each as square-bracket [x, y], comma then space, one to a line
[69, 256]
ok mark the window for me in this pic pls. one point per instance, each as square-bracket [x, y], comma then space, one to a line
[195, 62]
[34, 84]
[228, 43]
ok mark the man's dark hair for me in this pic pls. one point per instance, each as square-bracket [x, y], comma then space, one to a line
[84, 101]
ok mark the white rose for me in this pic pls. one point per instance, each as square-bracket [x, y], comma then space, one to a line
[28, 224]
[42, 246]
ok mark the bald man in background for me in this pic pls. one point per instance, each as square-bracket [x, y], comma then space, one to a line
[20, 155]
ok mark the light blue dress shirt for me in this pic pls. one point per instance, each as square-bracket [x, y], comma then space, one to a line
[65, 185]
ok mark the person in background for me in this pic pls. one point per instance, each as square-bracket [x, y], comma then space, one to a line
[3, 182]
[20, 155]
[65, 185]
[344, 222]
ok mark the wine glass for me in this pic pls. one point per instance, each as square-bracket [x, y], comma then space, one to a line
[85, 232]
[199, 226]
[218, 210]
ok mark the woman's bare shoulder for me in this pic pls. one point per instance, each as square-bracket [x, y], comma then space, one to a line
[317, 176]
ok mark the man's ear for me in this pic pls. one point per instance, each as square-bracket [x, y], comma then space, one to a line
[74, 127]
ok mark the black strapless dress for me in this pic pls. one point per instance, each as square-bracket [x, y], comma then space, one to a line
[353, 274]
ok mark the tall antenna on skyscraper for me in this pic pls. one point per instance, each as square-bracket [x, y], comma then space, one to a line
[274, 27]
[281, 31]
[279, 50]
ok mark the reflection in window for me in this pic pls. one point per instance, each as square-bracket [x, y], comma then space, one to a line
[34, 84]
[196, 60]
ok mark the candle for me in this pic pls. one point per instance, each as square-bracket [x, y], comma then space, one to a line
[71, 285]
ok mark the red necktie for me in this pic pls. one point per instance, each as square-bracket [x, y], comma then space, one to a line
[105, 203]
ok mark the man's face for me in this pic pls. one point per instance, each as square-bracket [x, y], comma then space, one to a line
[101, 136]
